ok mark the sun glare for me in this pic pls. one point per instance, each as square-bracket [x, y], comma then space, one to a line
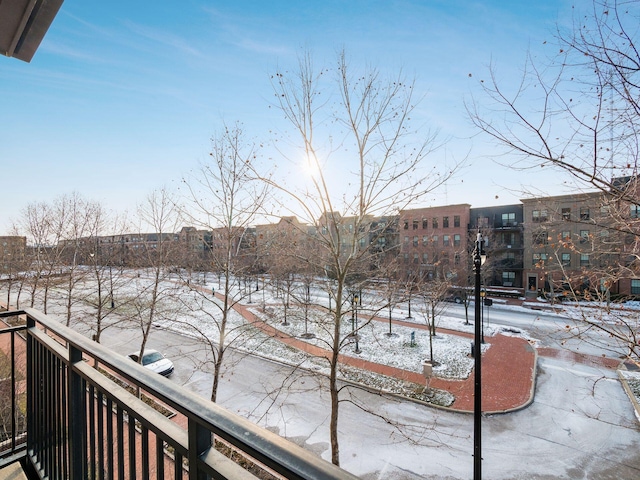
[310, 167]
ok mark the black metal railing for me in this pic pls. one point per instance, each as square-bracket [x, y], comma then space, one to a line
[83, 421]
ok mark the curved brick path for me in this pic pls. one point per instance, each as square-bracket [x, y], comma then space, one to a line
[508, 368]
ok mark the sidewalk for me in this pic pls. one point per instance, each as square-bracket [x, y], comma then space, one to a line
[508, 369]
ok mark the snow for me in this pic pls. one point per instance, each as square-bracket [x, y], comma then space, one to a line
[183, 310]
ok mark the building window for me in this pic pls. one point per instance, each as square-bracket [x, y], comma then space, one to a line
[445, 240]
[406, 239]
[406, 257]
[635, 286]
[566, 214]
[584, 259]
[539, 257]
[566, 236]
[425, 258]
[425, 240]
[415, 241]
[540, 238]
[406, 224]
[540, 216]
[566, 259]
[456, 259]
[635, 211]
[434, 222]
[508, 278]
[584, 213]
[604, 210]
[456, 240]
[445, 222]
[456, 221]
[435, 239]
[415, 258]
[425, 223]
[415, 224]
[483, 222]
[584, 236]
[508, 219]
[508, 239]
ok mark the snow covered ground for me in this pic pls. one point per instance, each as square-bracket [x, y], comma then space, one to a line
[406, 348]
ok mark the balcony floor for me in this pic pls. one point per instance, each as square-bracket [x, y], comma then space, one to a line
[12, 472]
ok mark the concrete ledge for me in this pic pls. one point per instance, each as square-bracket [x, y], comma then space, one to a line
[627, 389]
[12, 472]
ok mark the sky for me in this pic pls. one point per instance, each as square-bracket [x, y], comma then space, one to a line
[123, 97]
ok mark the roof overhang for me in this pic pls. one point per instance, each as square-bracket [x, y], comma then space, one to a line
[23, 24]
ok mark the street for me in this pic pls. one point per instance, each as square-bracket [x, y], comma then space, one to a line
[548, 328]
[581, 424]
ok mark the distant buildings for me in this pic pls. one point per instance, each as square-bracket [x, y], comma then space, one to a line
[587, 242]
[12, 253]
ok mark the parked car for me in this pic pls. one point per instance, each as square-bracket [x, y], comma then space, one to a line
[154, 361]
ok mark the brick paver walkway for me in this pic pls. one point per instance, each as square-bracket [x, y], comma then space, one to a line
[508, 368]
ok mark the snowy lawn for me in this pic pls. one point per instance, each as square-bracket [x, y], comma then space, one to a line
[198, 313]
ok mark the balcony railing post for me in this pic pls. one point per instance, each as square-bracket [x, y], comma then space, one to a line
[200, 440]
[31, 384]
[76, 417]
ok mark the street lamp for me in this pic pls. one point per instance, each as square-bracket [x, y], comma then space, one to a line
[409, 289]
[479, 257]
[307, 300]
[355, 311]
[354, 302]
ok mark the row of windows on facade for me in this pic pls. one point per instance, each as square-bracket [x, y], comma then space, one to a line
[542, 237]
[442, 257]
[508, 220]
[584, 213]
[565, 259]
[415, 224]
[508, 277]
[433, 240]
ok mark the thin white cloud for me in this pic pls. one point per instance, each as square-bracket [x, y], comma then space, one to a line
[160, 36]
[237, 31]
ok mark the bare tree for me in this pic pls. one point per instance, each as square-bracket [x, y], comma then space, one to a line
[578, 113]
[159, 214]
[83, 218]
[100, 253]
[43, 224]
[223, 198]
[432, 293]
[359, 123]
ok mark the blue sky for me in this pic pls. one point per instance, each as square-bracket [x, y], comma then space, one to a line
[122, 97]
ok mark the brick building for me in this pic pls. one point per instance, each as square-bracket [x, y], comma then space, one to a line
[433, 241]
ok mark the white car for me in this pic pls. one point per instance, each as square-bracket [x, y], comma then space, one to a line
[154, 361]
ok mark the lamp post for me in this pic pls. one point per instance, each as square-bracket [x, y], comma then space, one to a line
[479, 258]
[483, 296]
[409, 289]
[307, 301]
[355, 310]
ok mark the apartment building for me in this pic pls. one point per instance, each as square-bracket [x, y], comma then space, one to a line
[570, 241]
[12, 253]
[583, 240]
[502, 229]
[433, 241]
